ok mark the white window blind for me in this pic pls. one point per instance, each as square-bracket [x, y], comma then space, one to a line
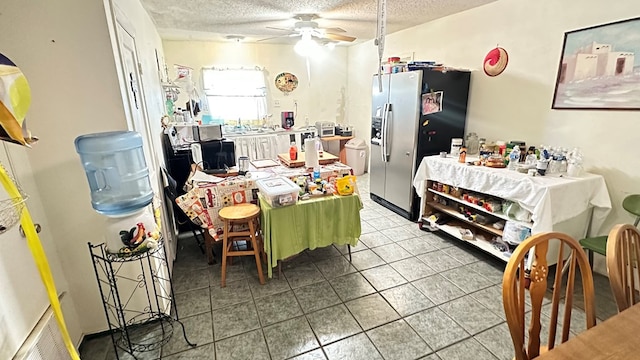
[235, 94]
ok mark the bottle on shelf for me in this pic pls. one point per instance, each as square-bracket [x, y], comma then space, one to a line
[319, 147]
[462, 157]
[293, 151]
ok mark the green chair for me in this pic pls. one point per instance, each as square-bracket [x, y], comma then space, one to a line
[598, 244]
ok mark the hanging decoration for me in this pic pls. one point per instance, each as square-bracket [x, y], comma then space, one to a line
[15, 99]
[381, 32]
[286, 82]
[496, 61]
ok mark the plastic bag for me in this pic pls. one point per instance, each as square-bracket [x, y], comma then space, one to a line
[346, 185]
[515, 233]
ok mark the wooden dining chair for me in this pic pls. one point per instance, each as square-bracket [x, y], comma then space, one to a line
[519, 280]
[623, 252]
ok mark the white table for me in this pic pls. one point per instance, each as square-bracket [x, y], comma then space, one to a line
[556, 203]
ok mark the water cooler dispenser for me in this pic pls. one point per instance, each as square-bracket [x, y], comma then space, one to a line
[120, 188]
[131, 266]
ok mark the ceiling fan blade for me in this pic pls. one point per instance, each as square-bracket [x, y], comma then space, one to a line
[271, 38]
[339, 37]
[334, 30]
[278, 28]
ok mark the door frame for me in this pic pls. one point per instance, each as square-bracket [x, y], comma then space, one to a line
[121, 22]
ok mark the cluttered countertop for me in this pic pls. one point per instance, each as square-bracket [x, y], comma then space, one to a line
[280, 184]
[547, 182]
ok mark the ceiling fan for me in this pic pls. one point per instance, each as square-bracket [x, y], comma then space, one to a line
[307, 28]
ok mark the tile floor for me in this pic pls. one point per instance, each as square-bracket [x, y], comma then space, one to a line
[407, 294]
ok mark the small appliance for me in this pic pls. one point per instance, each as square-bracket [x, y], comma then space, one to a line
[287, 119]
[325, 128]
[344, 130]
[209, 132]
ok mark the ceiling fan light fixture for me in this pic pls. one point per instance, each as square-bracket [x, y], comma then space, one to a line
[306, 46]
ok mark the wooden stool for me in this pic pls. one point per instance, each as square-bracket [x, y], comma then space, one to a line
[241, 214]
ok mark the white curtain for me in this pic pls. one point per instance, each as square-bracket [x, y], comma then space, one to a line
[257, 147]
[235, 94]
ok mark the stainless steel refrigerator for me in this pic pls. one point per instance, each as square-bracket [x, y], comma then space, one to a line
[416, 114]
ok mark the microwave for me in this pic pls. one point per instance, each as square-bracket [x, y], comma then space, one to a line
[325, 128]
[209, 132]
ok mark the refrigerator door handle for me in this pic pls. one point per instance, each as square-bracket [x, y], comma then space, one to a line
[383, 141]
[385, 137]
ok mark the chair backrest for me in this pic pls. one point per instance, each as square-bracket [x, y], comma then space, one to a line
[171, 193]
[518, 277]
[631, 203]
[623, 252]
[171, 190]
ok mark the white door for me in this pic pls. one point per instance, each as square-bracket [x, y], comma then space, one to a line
[135, 108]
[24, 298]
[138, 121]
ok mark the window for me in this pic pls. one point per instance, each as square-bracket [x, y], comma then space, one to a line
[235, 94]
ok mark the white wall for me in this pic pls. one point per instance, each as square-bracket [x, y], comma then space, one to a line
[69, 62]
[517, 104]
[319, 96]
[71, 72]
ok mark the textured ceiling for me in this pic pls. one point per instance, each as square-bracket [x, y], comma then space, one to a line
[215, 19]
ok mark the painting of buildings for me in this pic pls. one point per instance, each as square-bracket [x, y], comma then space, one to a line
[598, 68]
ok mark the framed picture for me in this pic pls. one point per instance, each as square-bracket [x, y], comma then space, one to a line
[432, 102]
[598, 68]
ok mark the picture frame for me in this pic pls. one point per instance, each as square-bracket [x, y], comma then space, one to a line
[432, 102]
[600, 68]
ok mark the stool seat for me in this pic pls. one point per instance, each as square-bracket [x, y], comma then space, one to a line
[239, 212]
[241, 225]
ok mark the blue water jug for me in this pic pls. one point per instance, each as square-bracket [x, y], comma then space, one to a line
[116, 170]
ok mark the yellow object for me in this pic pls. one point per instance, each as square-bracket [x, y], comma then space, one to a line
[15, 99]
[40, 259]
[346, 185]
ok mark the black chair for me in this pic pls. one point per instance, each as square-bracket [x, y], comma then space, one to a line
[171, 193]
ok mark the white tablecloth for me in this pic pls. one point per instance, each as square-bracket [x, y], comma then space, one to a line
[550, 199]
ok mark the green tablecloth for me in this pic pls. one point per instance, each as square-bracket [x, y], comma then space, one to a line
[309, 224]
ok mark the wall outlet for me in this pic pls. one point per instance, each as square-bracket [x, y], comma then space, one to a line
[276, 103]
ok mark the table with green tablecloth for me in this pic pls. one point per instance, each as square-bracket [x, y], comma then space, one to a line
[309, 224]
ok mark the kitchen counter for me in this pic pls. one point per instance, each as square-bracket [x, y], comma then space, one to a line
[268, 144]
[268, 131]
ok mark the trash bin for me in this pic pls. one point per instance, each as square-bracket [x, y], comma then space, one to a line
[356, 155]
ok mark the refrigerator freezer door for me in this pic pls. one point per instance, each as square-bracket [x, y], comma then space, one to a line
[377, 169]
[404, 97]
[437, 129]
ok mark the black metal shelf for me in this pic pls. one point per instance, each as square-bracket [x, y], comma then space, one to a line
[138, 298]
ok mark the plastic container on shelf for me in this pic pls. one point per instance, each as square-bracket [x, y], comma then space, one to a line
[116, 170]
[356, 155]
[456, 144]
[278, 191]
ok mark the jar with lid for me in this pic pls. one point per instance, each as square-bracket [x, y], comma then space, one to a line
[481, 144]
[456, 144]
[472, 143]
